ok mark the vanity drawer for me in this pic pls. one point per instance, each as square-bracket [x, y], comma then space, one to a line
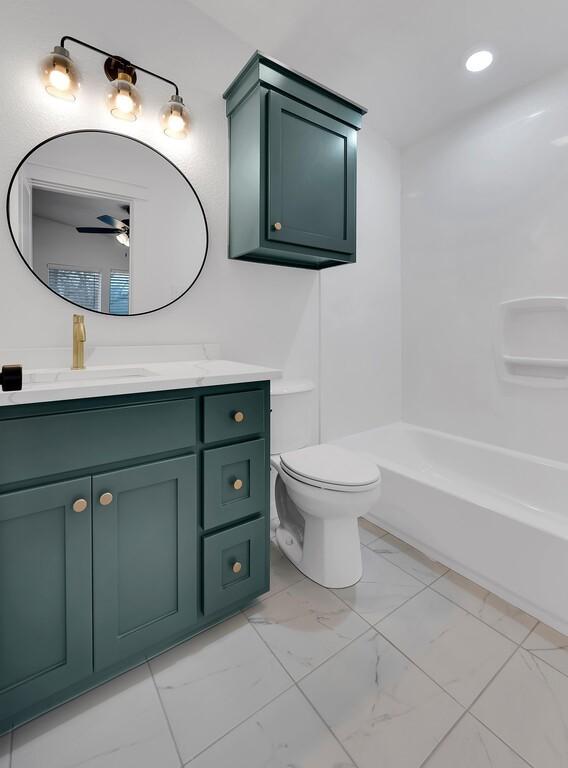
[234, 483]
[234, 565]
[228, 417]
[37, 446]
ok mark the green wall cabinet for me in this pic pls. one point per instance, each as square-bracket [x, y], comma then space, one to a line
[293, 168]
[108, 556]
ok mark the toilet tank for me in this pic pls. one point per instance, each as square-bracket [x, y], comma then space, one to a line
[293, 414]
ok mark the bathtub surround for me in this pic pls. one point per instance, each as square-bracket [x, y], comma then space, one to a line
[484, 221]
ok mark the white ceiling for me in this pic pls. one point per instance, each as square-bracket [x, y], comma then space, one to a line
[403, 59]
[74, 210]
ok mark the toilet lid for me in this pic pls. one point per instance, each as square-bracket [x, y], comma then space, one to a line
[331, 466]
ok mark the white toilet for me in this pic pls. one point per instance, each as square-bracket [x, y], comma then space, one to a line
[320, 490]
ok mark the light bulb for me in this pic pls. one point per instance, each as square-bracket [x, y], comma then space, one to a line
[123, 98]
[123, 239]
[174, 118]
[124, 102]
[59, 80]
[59, 75]
[175, 123]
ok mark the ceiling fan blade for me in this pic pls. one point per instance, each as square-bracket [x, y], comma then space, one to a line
[111, 221]
[99, 230]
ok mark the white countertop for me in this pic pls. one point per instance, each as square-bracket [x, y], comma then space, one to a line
[48, 384]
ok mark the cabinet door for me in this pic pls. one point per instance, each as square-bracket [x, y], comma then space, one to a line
[311, 177]
[144, 557]
[45, 592]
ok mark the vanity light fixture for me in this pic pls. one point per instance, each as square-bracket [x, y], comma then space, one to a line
[123, 99]
[60, 79]
[479, 61]
[59, 75]
[174, 118]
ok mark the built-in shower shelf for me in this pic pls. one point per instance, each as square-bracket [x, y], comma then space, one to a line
[537, 366]
[533, 340]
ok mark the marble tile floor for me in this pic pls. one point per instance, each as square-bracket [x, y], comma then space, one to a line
[414, 667]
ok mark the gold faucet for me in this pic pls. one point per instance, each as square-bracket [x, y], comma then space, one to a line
[79, 338]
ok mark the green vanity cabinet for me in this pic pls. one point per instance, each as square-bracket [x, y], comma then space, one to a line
[293, 168]
[108, 556]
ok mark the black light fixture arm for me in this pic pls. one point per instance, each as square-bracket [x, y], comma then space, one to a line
[119, 58]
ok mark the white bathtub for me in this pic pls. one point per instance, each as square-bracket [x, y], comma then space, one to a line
[496, 516]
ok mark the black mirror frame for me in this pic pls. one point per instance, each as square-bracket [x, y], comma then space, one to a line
[144, 144]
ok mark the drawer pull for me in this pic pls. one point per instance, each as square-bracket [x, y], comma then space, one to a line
[80, 505]
[239, 417]
[236, 567]
[237, 484]
[277, 226]
[105, 499]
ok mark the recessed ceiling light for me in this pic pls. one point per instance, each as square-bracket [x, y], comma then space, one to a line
[479, 61]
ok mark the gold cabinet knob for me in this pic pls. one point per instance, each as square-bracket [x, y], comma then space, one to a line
[80, 505]
[105, 499]
[237, 567]
[239, 417]
[238, 484]
[277, 226]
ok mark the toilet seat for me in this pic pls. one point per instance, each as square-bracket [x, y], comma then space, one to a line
[331, 468]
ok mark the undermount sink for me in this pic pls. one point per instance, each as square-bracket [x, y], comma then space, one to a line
[66, 374]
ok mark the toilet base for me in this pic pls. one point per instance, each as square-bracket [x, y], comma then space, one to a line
[331, 551]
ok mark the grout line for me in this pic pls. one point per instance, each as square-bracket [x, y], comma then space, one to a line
[443, 739]
[415, 664]
[517, 649]
[329, 728]
[241, 722]
[476, 699]
[321, 662]
[266, 596]
[514, 751]
[374, 626]
[544, 661]
[170, 729]
[475, 616]
[408, 573]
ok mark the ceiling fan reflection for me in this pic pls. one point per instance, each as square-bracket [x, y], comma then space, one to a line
[117, 227]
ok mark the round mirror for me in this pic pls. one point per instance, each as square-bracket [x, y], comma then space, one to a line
[107, 222]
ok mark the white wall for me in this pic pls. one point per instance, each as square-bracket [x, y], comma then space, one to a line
[259, 313]
[360, 305]
[485, 219]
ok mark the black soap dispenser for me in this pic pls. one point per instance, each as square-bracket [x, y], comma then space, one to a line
[11, 378]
